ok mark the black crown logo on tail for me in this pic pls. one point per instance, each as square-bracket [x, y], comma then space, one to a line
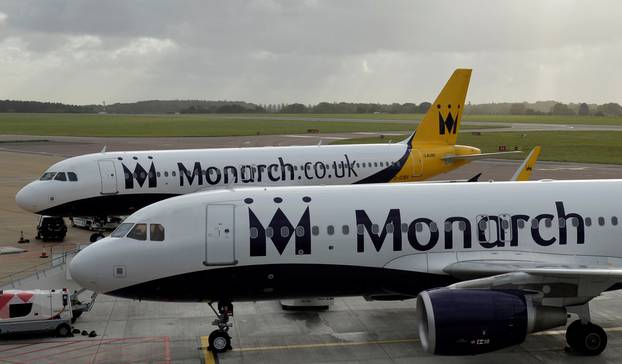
[448, 124]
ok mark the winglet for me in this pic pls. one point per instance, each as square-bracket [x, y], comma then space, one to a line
[526, 168]
[441, 123]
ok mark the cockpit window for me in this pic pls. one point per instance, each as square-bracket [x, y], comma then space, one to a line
[121, 230]
[156, 232]
[60, 176]
[72, 176]
[139, 232]
[47, 176]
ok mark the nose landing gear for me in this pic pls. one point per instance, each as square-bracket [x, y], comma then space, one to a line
[219, 340]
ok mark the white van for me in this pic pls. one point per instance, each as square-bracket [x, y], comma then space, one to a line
[35, 311]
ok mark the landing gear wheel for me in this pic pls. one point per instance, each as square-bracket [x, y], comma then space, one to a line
[95, 237]
[587, 339]
[63, 330]
[219, 341]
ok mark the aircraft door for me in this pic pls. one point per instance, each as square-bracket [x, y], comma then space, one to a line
[220, 235]
[108, 177]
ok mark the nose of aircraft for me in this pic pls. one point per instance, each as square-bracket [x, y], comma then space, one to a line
[26, 198]
[83, 269]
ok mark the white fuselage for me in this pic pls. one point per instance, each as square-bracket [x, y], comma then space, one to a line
[119, 183]
[379, 239]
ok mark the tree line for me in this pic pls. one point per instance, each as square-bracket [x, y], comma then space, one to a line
[235, 107]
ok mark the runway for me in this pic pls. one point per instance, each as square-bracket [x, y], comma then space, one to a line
[352, 331]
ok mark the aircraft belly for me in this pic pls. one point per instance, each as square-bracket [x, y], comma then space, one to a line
[279, 281]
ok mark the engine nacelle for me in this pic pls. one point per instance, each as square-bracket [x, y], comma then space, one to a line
[474, 321]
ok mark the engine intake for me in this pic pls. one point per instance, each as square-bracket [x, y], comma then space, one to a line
[475, 321]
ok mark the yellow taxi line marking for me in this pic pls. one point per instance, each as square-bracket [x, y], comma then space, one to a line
[208, 356]
[210, 359]
[325, 345]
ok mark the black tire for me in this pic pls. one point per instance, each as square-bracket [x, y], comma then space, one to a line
[594, 340]
[63, 330]
[219, 341]
[574, 333]
[94, 237]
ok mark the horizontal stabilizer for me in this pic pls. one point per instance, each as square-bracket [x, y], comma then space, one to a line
[471, 157]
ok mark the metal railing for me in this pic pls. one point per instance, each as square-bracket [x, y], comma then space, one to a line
[37, 271]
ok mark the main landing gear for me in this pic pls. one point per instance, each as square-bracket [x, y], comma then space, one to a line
[584, 337]
[219, 340]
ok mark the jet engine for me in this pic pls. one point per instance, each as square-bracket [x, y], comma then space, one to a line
[474, 321]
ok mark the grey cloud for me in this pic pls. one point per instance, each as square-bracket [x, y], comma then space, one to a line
[308, 51]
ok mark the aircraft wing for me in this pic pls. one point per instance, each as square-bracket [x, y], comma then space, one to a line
[483, 268]
[470, 157]
[559, 285]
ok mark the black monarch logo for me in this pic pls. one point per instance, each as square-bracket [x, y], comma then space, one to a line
[448, 124]
[280, 231]
[140, 175]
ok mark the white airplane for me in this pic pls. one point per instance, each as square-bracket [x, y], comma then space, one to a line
[119, 183]
[488, 262]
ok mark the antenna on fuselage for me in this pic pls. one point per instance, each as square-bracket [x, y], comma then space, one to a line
[104, 149]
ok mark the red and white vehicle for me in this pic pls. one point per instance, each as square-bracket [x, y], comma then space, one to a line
[36, 311]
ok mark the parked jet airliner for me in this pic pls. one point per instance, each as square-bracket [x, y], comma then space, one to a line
[119, 183]
[489, 262]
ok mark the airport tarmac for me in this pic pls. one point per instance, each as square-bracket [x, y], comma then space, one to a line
[352, 331]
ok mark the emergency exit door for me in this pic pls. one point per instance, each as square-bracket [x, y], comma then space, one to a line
[108, 177]
[220, 235]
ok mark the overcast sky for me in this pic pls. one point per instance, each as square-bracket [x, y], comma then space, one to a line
[270, 51]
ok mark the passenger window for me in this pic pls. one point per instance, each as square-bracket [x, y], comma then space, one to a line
[375, 164]
[601, 221]
[433, 227]
[60, 176]
[156, 232]
[404, 227]
[575, 221]
[315, 230]
[548, 222]
[588, 221]
[535, 223]
[165, 173]
[345, 229]
[254, 233]
[284, 231]
[521, 224]
[121, 230]
[47, 176]
[419, 227]
[72, 176]
[300, 231]
[375, 229]
[330, 229]
[139, 232]
[562, 222]
[269, 232]
[389, 228]
[461, 225]
[447, 226]
[173, 174]
[360, 229]
[19, 309]
[614, 220]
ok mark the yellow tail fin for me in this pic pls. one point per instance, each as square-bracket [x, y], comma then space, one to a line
[526, 168]
[441, 123]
